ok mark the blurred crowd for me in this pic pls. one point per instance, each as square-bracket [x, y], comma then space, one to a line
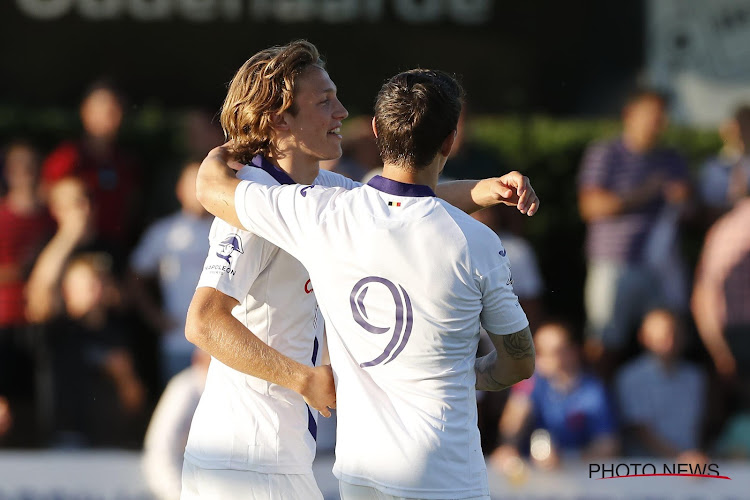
[94, 294]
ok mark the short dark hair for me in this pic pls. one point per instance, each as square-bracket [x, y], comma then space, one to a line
[564, 326]
[415, 111]
[642, 93]
[107, 84]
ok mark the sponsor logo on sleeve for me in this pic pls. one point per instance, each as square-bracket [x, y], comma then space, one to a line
[228, 248]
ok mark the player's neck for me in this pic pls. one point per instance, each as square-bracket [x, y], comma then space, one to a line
[302, 168]
[427, 176]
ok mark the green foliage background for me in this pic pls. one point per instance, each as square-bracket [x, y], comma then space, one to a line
[548, 150]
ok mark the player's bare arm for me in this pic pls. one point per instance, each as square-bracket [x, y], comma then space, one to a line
[216, 184]
[512, 189]
[510, 362]
[211, 326]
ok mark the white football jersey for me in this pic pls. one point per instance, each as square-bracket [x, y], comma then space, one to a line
[404, 280]
[243, 422]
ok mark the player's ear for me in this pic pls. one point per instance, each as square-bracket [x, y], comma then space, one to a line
[279, 122]
[374, 127]
[445, 148]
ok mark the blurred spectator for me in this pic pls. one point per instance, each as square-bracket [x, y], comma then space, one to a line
[98, 395]
[359, 153]
[662, 398]
[6, 417]
[166, 437]
[630, 193]
[721, 297]
[24, 224]
[528, 284]
[70, 206]
[109, 173]
[570, 408]
[469, 160]
[172, 249]
[724, 178]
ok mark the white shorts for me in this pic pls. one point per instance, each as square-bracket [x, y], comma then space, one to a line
[350, 491]
[223, 484]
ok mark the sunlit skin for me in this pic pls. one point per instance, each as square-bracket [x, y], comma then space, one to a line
[659, 335]
[21, 168]
[101, 114]
[82, 290]
[643, 123]
[312, 134]
[22, 178]
[556, 357]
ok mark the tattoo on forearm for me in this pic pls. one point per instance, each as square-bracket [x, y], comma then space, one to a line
[518, 345]
[483, 369]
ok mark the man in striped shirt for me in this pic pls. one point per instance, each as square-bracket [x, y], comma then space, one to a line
[624, 185]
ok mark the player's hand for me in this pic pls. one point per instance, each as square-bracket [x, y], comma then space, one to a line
[224, 154]
[514, 189]
[320, 391]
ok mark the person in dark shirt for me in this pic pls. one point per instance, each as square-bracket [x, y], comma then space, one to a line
[98, 397]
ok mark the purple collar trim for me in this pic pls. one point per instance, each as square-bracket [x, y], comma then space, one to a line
[400, 188]
[262, 163]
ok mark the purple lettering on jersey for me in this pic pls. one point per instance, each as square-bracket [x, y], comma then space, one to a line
[403, 323]
[360, 313]
[409, 321]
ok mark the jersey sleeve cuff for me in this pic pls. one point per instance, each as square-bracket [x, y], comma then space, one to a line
[506, 328]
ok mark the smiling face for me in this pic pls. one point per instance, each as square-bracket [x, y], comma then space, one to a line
[315, 129]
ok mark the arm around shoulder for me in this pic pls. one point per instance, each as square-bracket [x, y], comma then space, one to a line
[216, 184]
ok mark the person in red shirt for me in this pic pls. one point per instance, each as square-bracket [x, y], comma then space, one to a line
[24, 225]
[110, 174]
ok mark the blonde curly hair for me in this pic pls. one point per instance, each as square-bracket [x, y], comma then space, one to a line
[263, 87]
